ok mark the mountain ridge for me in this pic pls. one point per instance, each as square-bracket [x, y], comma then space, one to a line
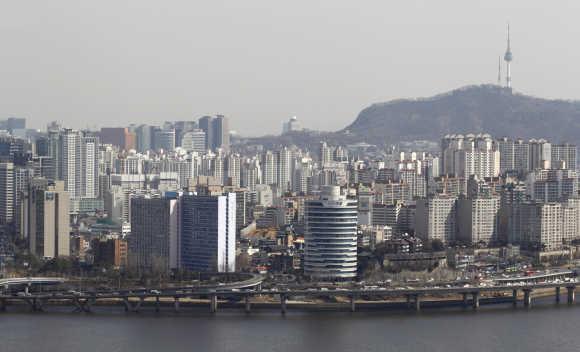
[470, 109]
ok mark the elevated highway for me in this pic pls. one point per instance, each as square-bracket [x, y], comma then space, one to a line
[134, 300]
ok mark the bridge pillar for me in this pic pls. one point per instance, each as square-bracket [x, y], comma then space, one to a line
[138, 305]
[213, 304]
[157, 304]
[408, 300]
[176, 304]
[40, 304]
[248, 305]
[515, 297]
[571, 294]
[475, 301]
[3, 305]
[527, 297]
[558, 294]
[88, 304]
[127, 304]
[283, 299]
[417, 302]
[465, 299]
[352, 303]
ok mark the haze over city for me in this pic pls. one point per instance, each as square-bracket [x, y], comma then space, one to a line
[93, 64]
[291, 176]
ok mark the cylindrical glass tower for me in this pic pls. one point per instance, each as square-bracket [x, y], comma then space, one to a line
[331, 236]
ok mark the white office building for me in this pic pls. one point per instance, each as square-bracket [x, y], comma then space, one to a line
[331, 236]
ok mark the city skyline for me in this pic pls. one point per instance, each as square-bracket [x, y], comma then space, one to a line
[384, 175]
[326, 67]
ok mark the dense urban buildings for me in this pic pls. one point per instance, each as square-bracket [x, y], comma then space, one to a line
[186, 197]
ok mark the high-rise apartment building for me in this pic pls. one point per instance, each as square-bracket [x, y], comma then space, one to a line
[478, 220]
[435, 218]
[514, 155]
[542, 226]
[7, 193]
[70, 164]
[270, 168]
[89, 166]
[468, 155]
[284, 169]
[194, 141]
[540, 154]
[233, 170]
[565, 154]
[552, 185]
[76, 158]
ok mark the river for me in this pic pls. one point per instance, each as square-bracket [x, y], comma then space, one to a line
[545, 327]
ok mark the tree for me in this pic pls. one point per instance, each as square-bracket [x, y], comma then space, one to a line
[437, 245]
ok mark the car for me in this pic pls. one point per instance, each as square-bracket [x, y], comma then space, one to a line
[155, 292]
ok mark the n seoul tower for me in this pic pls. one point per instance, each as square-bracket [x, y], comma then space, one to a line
[508, 59]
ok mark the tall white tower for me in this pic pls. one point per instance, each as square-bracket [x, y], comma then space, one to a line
[499, 71]
[508, 59]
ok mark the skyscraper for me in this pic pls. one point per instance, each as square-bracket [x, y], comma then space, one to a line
[153, 241]
[217, 131]
[331, 236]
[144, 138]
[205, 124]
[165, 140]
[208, 233]
[221, 133]
[46, 219]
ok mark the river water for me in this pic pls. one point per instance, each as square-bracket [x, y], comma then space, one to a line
[545, 327]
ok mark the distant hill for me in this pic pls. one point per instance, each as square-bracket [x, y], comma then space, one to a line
[484, 108]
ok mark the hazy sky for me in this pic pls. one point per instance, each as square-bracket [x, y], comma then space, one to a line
[111, 62]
